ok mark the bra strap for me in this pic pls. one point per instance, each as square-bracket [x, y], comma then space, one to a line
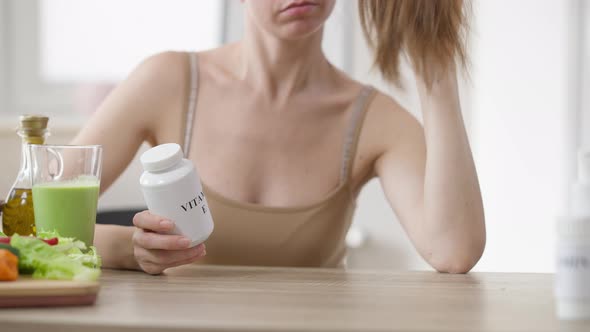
[192, 103]
[359, 109]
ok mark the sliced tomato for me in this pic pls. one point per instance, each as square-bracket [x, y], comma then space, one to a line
[53, 241]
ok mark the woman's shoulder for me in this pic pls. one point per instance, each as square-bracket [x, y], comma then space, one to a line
[153, 83]
[151, 93]
[383, 102]
[385, 110]
[163, 71]
[170, 70]
[386, 123]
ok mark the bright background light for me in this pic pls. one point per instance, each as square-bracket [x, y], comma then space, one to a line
[85, 40]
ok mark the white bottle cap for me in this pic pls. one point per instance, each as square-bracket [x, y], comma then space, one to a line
[161, 157]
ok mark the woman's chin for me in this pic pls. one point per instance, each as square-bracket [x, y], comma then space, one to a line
[298, 30]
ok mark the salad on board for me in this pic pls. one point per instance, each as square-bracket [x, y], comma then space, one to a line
[47, 256]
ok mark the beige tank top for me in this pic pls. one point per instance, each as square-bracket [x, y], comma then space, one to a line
[312, 235]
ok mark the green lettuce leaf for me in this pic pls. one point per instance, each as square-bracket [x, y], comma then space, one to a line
[48, 262]
[75, 249]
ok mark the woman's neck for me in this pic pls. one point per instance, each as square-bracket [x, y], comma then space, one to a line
[281, 68]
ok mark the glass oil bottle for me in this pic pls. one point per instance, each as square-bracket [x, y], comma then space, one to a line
[17, 212]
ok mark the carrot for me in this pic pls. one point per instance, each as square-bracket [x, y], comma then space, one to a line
[8, 266]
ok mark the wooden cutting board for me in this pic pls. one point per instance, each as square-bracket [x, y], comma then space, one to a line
[27, 292]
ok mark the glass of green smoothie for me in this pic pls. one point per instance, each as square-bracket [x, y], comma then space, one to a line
[66, 182]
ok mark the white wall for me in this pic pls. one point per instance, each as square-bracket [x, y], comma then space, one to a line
[583, 71]
[521, 104]
[518, 109]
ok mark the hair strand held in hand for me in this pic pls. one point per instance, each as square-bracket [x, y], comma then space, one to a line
[432, 33]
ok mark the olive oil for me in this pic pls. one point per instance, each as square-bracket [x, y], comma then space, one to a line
[17, 213]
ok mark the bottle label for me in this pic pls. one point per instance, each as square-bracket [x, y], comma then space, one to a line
[197, 202]
[573, 271]
[183, 202]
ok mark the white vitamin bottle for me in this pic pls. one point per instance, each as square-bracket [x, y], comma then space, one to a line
[172, 189]
[572, 280]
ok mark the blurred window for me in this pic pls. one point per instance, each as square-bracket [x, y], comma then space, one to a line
[62, 55]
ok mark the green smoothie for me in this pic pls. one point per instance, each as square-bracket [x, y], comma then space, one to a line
[67, 207]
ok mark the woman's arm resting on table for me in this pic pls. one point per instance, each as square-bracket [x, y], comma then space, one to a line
[115, 246]
[430, 180]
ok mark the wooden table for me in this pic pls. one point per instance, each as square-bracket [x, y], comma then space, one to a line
[272, 299]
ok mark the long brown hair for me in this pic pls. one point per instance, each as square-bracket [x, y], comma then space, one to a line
[432, 33]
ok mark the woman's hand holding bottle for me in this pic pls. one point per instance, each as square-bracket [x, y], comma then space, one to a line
[155, 247]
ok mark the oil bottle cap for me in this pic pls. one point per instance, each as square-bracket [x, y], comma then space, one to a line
[33, 125]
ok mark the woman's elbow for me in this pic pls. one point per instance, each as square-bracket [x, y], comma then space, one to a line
[455, 265]
[460, 259]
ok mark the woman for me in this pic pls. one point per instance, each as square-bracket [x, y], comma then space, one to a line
[284, 141]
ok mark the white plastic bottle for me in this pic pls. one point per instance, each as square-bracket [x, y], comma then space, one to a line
[172, 189]
[572, 281]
